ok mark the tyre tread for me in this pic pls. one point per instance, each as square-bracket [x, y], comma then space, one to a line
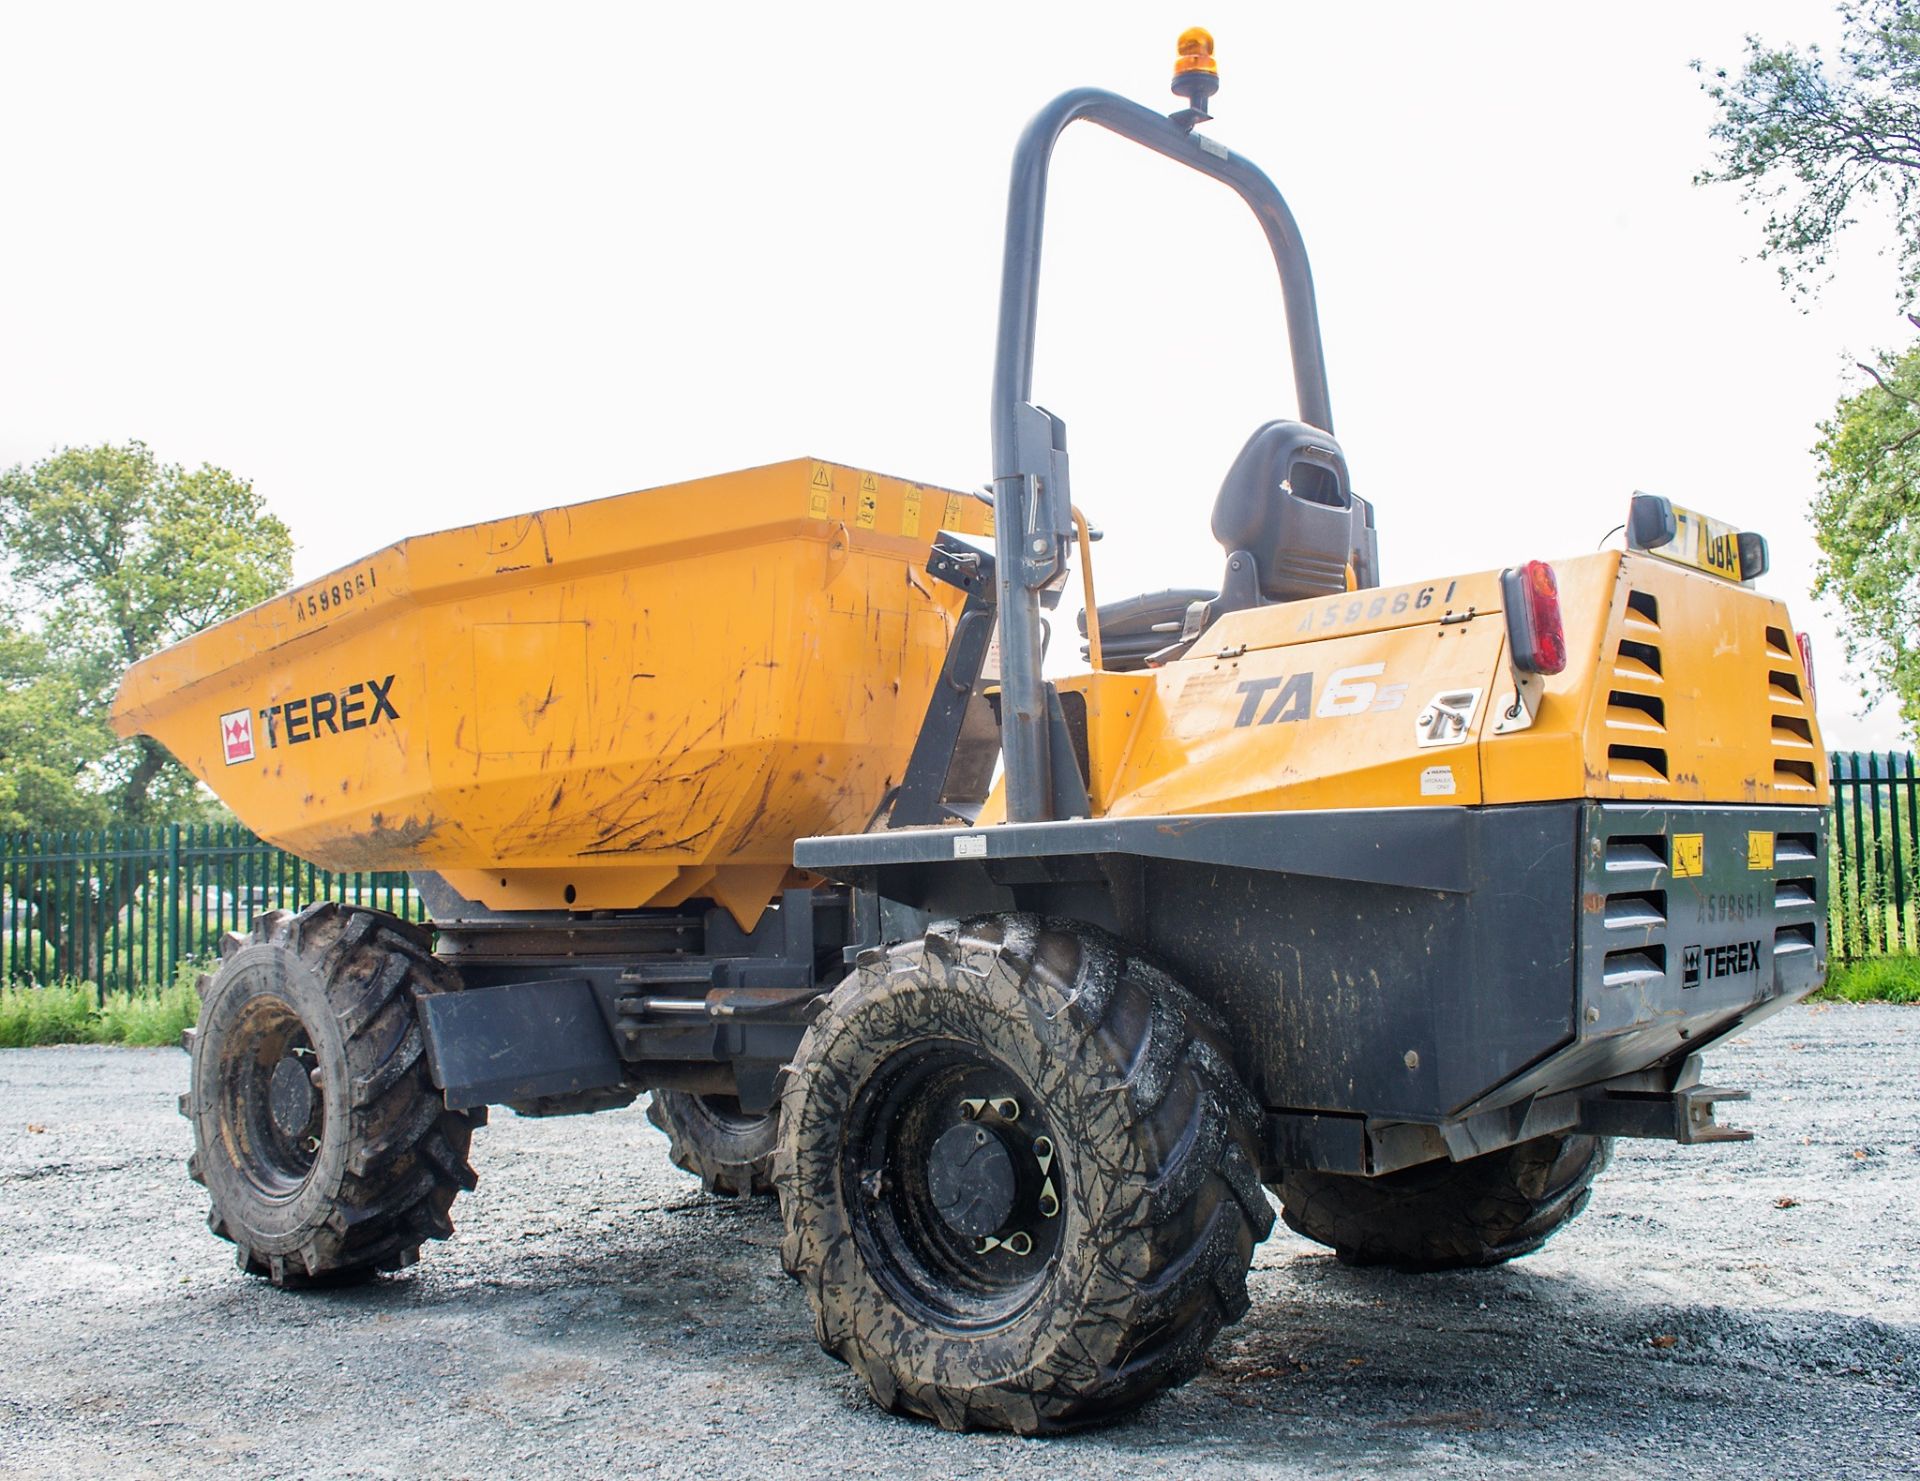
[1181, 1146]
[409, 1153]
[725, 1168]
[1449, 1215]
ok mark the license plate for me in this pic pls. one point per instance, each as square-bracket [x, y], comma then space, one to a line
[1704, 543]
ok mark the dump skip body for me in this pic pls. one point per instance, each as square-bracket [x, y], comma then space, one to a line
[606, 705]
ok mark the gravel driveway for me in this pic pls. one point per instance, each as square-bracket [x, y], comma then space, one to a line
[1748, 1310]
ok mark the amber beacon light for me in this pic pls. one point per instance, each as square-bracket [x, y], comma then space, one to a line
[1196, 76]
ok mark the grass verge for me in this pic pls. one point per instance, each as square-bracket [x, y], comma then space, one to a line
[1879, 979]
[72, 1013]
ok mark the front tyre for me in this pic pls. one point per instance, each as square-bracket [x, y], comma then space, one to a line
[1018, 1177]
[1449, 1215]
[325, 1148]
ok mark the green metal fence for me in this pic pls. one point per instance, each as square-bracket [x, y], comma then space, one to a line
[123, 907]
[1874, 887]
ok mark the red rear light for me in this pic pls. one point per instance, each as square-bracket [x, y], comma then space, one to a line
[1804, 642]
[1534, 631]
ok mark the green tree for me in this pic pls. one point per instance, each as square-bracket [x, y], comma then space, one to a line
[1812, 145]
[1866, 520]
[109, 555]
[1809, 143]
[50, 748]
[113, 555]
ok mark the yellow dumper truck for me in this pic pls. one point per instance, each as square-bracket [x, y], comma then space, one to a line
[1397, 902]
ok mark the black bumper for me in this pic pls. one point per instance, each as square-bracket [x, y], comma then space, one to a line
[1425, 967]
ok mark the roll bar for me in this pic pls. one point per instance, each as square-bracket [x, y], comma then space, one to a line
[1032, 503]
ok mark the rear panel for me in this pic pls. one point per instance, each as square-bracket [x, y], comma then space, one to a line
[1679, 688]
[1692, 693]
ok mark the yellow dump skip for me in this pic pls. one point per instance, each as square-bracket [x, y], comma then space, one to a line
[606, 705]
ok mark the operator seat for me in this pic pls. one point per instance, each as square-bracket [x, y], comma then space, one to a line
[1292, 527]
[1290, 522]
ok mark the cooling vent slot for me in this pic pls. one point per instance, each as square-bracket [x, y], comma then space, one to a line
[1635, 965]
[1629, 711]
[1637, 661]
[1640, 764]
[1792, 894]
[1793, 776]
[1643, 610]
[1795, 762]
[1638, 911]
[1791, 730]
[1636, 851]
[1793, 848]
[1792, 940]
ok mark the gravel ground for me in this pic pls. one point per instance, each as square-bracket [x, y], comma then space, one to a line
[1747, 1310]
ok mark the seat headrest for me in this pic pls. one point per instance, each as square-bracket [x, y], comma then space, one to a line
[1287, 502]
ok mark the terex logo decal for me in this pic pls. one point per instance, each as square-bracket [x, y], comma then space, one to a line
[236, 736]
[1707, 963]
[1289, 697]
[353, 708]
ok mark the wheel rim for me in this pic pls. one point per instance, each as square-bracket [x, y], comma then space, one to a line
[952, 1172]
[273, 1117]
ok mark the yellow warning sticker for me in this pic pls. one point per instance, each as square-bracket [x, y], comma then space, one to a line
[1689, 855]
[910, 513]
[1760, 850]
[820, 492]
[869, 501]
[951, 520]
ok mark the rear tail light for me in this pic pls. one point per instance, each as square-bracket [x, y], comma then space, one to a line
[1804, 642]
[1535, 636]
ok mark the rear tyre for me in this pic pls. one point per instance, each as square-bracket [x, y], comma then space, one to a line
[1018, 1177]
[1449, 1215]
[728, 1149]
[325, 1148]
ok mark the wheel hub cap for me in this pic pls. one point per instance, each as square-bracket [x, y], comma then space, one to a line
[971, 1175]
[290, 1097]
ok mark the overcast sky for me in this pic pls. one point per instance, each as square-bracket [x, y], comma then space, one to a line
[406, 266]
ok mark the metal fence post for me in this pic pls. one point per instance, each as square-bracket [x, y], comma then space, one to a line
[171, 961]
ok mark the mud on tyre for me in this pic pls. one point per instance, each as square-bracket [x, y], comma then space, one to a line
[1018, 1176]
[728, 1149]
[325, 1148]
[1449, 1215]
